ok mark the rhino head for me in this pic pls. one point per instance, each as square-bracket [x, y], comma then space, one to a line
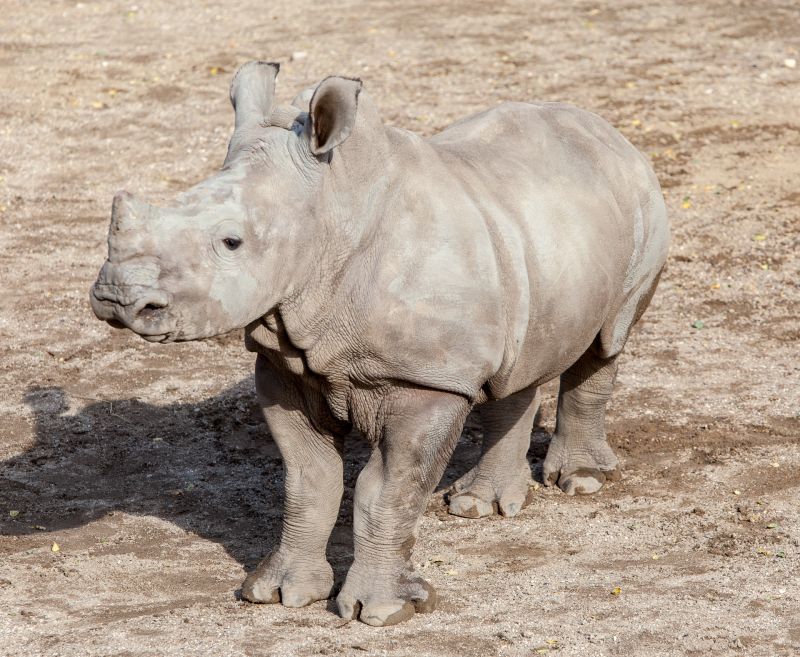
[232, 247]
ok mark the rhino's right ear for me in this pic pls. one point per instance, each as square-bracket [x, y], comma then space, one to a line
[333, 113]
[253, 92]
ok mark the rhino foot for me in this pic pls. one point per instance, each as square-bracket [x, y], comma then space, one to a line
[293, 584]
[582, 471]
[378, 601]
[478, 494]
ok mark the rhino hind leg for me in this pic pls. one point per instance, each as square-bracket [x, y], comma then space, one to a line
[579, 458]
[500, 482]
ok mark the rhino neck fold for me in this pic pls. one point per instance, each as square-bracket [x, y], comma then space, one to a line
[353, 192]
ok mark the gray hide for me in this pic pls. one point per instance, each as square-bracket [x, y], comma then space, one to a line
[392, 283]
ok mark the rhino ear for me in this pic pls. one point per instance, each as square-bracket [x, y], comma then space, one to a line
[253, 92]
[333, 113]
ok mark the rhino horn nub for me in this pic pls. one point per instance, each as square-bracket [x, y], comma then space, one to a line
[126, 209]
[253, 92]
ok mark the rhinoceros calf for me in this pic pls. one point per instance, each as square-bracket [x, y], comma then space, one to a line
[392, 283]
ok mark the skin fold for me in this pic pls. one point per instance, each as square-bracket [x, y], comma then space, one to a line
[392, 283]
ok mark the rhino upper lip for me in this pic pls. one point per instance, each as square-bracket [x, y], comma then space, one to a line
[134, 313]
[111, 295]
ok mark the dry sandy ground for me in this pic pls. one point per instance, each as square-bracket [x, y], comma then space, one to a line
[149, 466]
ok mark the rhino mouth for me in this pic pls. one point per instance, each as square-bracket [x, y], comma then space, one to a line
[145, 311]
[164, 338]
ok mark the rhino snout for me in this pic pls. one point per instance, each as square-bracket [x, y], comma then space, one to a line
[141, 309]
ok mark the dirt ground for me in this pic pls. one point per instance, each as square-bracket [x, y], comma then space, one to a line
[149, 466]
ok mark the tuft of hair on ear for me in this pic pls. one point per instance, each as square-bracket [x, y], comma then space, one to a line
[332, 111]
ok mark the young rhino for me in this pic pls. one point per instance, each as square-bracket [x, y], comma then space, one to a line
[393, 283]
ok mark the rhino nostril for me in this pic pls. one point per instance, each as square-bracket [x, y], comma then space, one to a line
[151, 311]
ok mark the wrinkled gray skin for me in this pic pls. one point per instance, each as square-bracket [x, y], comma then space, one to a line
[392, 283]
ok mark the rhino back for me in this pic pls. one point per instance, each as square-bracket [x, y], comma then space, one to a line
[576, 219]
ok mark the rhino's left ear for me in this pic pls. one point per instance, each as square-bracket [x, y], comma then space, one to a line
[253, 92]
[333, 113]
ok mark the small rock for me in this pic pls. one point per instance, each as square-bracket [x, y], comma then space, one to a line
[790, 62]
[505, 636]
[298, 55]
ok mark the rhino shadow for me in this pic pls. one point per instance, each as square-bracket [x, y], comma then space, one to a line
[209, 467]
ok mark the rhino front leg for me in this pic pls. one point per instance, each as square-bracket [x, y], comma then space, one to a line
[579, 458]
[297, 573]
[500, 482]
[420, 431]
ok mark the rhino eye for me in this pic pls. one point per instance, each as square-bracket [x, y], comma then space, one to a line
[232, 243]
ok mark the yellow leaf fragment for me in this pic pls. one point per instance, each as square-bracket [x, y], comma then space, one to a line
[759, 237]
[13, 513]
[55, 547]
[737, 492]
[616, 590]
